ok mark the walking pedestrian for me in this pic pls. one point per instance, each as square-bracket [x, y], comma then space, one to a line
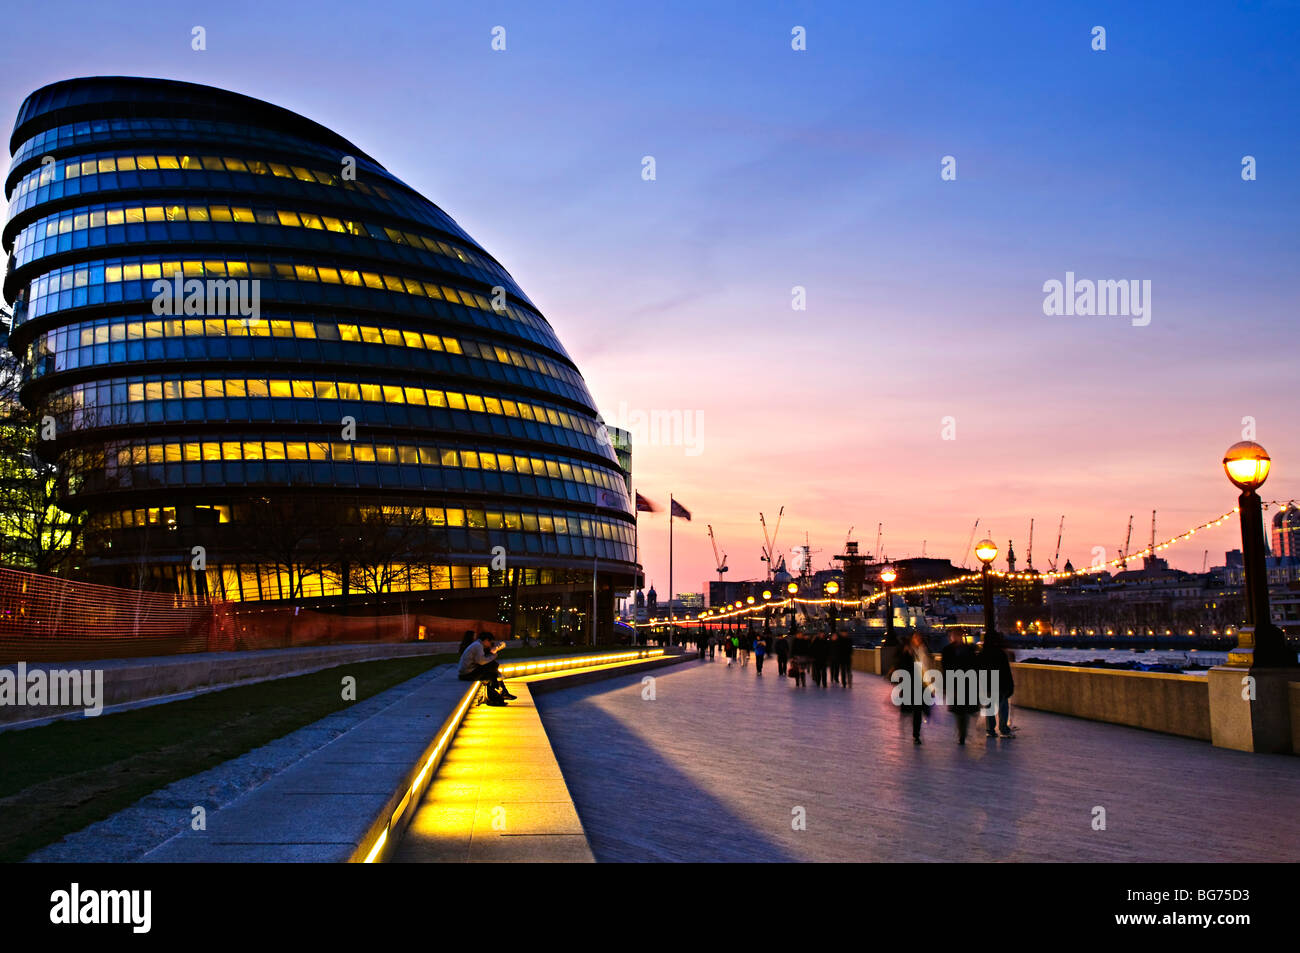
[782, 653]
[845, 649]
[820, 649]
[995, 661]
[732, 645]
[959, 660]
[913, 660]
[800, 659]
[746, 643]
[760, 652]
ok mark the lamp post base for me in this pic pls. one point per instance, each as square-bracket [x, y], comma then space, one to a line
[1250, 708]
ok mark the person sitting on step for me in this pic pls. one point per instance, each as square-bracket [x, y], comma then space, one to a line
[478, 663]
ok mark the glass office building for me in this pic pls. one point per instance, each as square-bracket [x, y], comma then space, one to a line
[276, 372]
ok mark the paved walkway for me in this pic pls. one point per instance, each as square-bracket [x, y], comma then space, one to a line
[721, 765]
[498, 795]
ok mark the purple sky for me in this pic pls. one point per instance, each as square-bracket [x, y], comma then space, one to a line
[821, 169]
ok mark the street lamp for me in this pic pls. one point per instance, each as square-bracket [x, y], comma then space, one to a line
[831, 589]
[986, 551]
[791, 590]
[1259, 642]
[767, 612]
[888, 575]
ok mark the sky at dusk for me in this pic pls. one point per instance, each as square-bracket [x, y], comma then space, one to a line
[820, 169]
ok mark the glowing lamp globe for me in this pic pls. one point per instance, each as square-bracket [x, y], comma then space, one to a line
[888, 575]
[832, 587]
[1247, 464]
[767, 593]
[749, 600]
[792, 588]
[986, 551]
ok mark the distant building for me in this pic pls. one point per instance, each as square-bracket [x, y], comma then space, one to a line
[731, 590]
[1286, 532]
[690, 600]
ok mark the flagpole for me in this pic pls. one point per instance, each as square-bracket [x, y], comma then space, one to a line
[594, 570]
[671, 619]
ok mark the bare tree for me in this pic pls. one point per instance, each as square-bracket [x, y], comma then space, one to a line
[392, 543]
[286, 530]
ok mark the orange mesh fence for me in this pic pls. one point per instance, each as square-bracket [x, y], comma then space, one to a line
[239, 627]
[49, 619]
[45, 618]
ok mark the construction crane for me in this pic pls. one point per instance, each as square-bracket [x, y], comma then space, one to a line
[1123, 555]
[769, 554]
[1059, 530]
[722, 563]
[848, 536]
[1029, 553]
[880, 529]
[969, 543]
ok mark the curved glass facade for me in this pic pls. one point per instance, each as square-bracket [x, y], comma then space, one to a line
[246, 330]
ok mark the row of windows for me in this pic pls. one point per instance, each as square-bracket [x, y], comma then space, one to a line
[42, 237]
[372, 418]
[106, 393]
[526, 521]
[116, 270]
[76, 167]
[110, 129]
[122, 455]
[228, 134]
[105, 330]
[196, 179]
[118, 357]
[87, 474]
[254, 583]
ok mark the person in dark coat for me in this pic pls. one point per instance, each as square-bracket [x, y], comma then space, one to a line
[800, 659]
[833, 656]
[820, 653]
[782, 653]
[845, 649]
[959, 657]
[760, 651]
[914, 660]
[994, 659]
[733, 645]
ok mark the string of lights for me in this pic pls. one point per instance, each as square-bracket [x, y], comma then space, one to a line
[738, 610]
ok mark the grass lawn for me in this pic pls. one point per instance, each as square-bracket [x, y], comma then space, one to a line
[61, 777]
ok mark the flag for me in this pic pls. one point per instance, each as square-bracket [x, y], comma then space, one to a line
[679, 511]
[645, 506]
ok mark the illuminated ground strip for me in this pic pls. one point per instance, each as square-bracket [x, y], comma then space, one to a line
[541, 667]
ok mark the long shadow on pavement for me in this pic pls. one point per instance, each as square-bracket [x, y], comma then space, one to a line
[626, 793]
